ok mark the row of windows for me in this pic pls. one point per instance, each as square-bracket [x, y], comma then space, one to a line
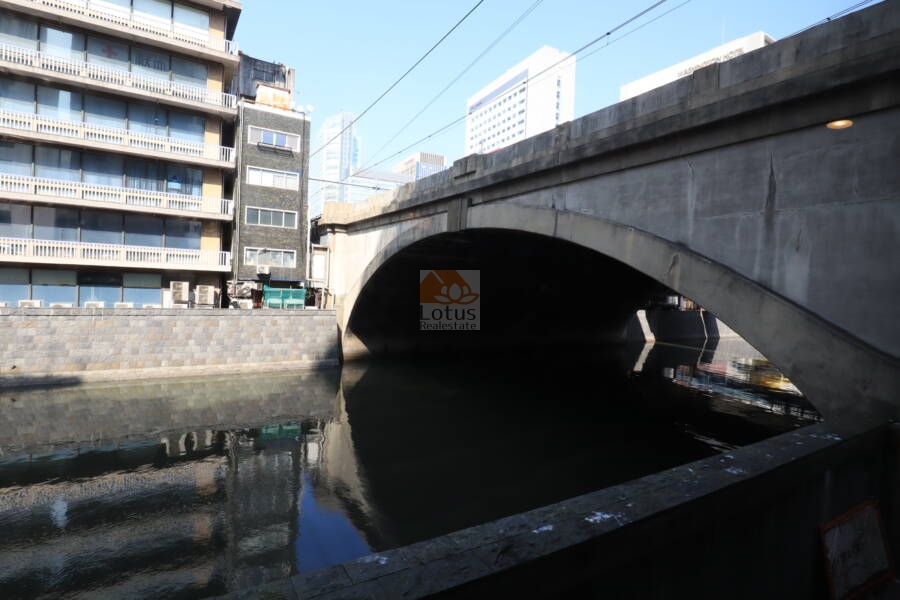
[50, 286]
[157, 10]
[278, 139]
[271, 257]
[99, 169]
[270, 217]
[97, 227]
[100, 51]
[25, 97]
[287, 180]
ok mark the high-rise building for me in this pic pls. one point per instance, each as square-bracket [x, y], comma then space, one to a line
[419, 165]
[718, 54]
[115, 154]
[534, 96]
[271, 226]
[339, 156]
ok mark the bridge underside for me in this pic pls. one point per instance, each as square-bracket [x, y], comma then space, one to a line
[537, 291]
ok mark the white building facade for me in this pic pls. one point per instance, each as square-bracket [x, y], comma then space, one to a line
[718, 54]
[534, 96]
[419, 165]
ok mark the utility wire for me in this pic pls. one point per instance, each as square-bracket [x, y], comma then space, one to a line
[836, 15]
[369, 187]
[490, 47]
[543, 72]
[402, 77]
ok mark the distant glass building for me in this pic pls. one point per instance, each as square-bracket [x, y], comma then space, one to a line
[338, 158]
[534, 96]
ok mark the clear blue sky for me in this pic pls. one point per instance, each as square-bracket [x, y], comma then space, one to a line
[347, 53]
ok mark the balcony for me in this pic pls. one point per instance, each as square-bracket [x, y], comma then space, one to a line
[38, 127]
[20, 250]
[38, 64]
[74, 193]
[115, 20]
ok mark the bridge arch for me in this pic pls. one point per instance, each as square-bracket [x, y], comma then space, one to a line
[802, 345]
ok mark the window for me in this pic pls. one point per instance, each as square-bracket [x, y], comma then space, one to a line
[102, 169]
[55, 223]
[107, 53]
[272, 257]
[193, 18]
[59, 104]
[270, 178]
[188, 72]
[18, 32]
[142, 288]
[15, 221]
[143, 231]
[15, 159]
[64, 44]
[13, 285]
[100, 286]
[56, 163]
[101, 227]
[16, 95]
[53, 286]
[147, 118]
[268, 137]
[186, 127]
[271, 217]
[181, 233]
[106, 112]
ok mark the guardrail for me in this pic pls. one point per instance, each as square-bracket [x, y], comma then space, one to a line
[83, 253]
[109, 135]
[135, 22]
[75, 190]
[80, 70]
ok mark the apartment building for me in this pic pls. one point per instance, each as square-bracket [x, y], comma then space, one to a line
[116, 149]
[271, 227]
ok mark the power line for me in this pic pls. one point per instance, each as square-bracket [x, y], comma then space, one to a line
[533, 78]
[836, 15]
[370, 187]
[402, 77]
[490, 47]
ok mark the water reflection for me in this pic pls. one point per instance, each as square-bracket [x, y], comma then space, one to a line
[196, 487]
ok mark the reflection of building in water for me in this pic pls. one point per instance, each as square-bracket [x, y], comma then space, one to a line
[200, 512]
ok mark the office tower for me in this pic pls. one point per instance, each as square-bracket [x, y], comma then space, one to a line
[114, 165]
[534, 96]
[271, 226]
[419, 165]
[338, 156]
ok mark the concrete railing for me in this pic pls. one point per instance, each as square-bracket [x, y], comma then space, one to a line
[81, 71]
[103, 13]
[111, 255]
[122, 196]
[109, 135]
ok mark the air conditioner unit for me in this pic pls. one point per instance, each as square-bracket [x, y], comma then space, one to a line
[3, 305]
[150, 305]
[123, 305]
[206, 295]
[245, 303]
[60, 305]
[181, 291]
[263, 270]
[29, 303]
[95, 304]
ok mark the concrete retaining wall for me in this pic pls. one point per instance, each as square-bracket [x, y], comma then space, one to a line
[52, 346]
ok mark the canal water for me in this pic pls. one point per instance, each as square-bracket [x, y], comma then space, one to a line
[197, 487]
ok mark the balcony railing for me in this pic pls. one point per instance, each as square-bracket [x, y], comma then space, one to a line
[23, 250]
[108, 135]
[57, 65]
[123, 197]
[103, 13]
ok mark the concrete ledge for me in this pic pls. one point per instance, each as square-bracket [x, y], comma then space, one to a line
[585, 540]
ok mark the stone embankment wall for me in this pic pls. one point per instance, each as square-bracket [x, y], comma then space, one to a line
[50, 346]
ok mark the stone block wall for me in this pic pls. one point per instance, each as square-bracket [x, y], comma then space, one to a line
[45, 346]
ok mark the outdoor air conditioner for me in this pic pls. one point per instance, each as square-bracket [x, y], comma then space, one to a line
[180, 291]
[150, 305]
[123, 305]
[95, 304]
[206, 295]
[3, 305]
[245, 303]
[29, 303]
[60, 305]
[263, 270]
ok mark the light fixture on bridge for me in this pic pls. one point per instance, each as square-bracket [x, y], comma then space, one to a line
[839, 124]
